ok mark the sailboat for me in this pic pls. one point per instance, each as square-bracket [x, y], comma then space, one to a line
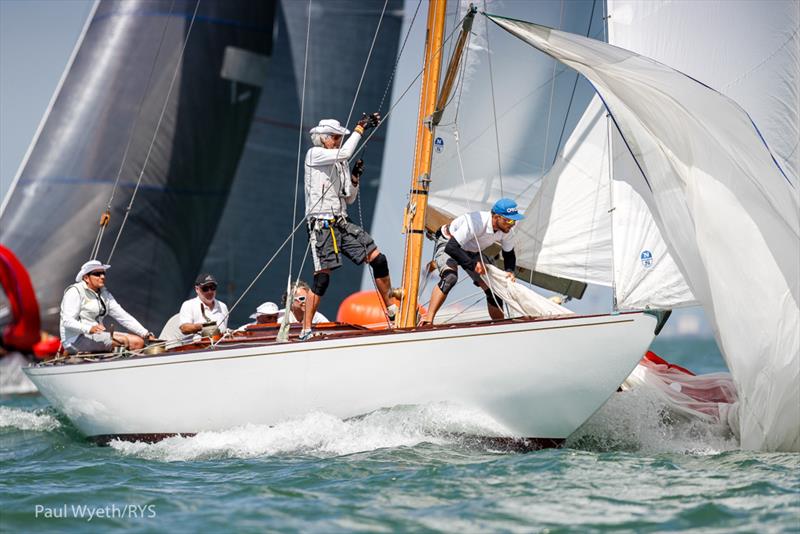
[539, 379]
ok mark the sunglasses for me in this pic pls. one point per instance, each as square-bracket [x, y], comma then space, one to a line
[210, 287]
[98, 273]
[510, 222]
[301, 298]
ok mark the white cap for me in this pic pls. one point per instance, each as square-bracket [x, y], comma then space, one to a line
[329, 126]
[267, 308]
[89, 267]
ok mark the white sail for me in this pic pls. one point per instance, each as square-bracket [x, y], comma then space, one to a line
[726, 209]
[747, 50]
[477, 161]
[580, 228]
[567, 231]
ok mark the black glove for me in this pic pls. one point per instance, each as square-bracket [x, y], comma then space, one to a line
[358, 168]
[369, 121]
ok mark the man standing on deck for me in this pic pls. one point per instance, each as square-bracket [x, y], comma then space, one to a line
[461, 243]
[329, 186]
[205, 308]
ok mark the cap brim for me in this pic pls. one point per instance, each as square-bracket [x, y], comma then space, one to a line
[515, 216]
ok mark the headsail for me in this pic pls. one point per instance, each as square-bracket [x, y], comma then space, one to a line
[727, 210]
[589, 221]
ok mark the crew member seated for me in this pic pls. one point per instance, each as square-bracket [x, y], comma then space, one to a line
[298, 305]
[84, 307]
[266, 313]
[204, 309]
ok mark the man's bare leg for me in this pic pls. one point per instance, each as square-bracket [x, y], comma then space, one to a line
[437, 299]
[312, 303]
[384, 284]
[495, 312]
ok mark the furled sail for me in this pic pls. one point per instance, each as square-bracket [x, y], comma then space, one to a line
[726, 208]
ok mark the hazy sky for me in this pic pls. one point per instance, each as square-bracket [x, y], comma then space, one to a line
[36, 41]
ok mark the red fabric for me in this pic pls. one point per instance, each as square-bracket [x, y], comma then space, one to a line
[655, 358]
[23, 332]
[47, 348]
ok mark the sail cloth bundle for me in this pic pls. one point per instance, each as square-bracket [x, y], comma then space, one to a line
[521, 300]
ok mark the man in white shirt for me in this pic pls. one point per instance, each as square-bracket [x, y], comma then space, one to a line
[330, 185]
[461, 243]
[85, 306]
[298, 305]
[205, 308]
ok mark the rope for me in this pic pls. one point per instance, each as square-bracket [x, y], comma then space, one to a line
[366, 63]
[469, 220]
[155, 133]
[106, 216]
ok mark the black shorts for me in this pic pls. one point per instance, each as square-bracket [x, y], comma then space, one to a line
[332, 238]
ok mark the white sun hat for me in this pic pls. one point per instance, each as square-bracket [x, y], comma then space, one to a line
[89, 267]
[329, 126]
[267, 308]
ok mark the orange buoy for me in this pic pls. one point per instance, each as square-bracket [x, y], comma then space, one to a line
[364, 308]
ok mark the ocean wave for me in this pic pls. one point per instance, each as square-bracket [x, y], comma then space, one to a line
[25, 420]
[638, 420]
[321, 434]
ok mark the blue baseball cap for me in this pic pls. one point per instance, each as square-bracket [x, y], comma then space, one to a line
[508, 209]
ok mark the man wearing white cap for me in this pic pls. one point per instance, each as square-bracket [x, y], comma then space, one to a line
[85, 305]
[330, 185]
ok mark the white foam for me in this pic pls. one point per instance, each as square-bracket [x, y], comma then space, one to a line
[24, 420]
[639, 420]
[320, 434]
[12, 380]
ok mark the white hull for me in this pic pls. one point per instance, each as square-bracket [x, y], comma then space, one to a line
[538, 379]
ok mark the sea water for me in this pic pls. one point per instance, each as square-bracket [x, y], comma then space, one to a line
[401, 469]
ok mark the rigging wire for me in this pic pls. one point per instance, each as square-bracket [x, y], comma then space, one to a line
[552, 93]
[155, 133]
[355, 152]
[494, 106]
[106, 217]
[539, 213]
[572, 94]
[300, 133]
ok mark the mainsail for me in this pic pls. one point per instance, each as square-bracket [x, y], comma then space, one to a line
[727, 210]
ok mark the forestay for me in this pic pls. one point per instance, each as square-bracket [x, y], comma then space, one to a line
[727, 211]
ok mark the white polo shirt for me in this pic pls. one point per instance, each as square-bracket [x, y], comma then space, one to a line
[194, 311]
[477, 225]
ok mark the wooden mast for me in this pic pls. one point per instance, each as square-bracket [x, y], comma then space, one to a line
[414, 219]
[430, 113]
